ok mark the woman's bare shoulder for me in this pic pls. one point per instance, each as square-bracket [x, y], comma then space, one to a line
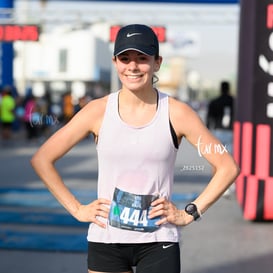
[180, 108]
[98, 104]
[95, 108]
[183, 117]
[92, 114]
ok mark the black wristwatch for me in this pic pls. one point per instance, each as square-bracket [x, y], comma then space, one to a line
[192, 210]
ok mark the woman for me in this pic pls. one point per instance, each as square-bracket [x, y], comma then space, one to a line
[137, 131]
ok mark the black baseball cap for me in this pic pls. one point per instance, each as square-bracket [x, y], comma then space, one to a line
[136, 37]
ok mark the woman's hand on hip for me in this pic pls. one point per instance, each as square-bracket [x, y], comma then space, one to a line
[90, 212]
[169, 213]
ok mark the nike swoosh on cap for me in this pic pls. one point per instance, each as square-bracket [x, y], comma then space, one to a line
[133, 34]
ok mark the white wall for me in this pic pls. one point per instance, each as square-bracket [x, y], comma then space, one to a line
[87, 55]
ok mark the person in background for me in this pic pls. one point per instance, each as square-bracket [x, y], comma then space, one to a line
[31, 118]
[137, 131]
[220, 118]
[7, 112]
[68, 107]
[221, 109]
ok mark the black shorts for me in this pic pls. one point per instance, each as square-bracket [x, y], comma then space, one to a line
[146, 258]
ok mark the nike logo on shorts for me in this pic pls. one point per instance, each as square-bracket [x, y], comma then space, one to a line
[167, 246]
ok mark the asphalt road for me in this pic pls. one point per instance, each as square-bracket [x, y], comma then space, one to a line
[222, 242]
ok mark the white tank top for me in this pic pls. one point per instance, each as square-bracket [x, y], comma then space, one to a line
[137, 160]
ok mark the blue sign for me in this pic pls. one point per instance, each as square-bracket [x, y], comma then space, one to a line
[6, 62]
[6, 4]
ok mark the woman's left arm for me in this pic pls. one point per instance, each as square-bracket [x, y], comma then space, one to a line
[187, 124]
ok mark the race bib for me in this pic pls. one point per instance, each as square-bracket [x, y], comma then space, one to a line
[130, 211]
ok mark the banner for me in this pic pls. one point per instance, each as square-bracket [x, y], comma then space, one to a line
[253, 140]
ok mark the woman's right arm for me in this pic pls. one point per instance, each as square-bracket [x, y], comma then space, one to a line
[86, 121]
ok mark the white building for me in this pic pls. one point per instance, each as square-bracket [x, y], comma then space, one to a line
[202, 39]
[65, 59]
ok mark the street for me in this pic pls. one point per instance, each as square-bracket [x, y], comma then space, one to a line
[222, 242]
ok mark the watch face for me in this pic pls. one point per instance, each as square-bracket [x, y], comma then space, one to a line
[191, 209]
